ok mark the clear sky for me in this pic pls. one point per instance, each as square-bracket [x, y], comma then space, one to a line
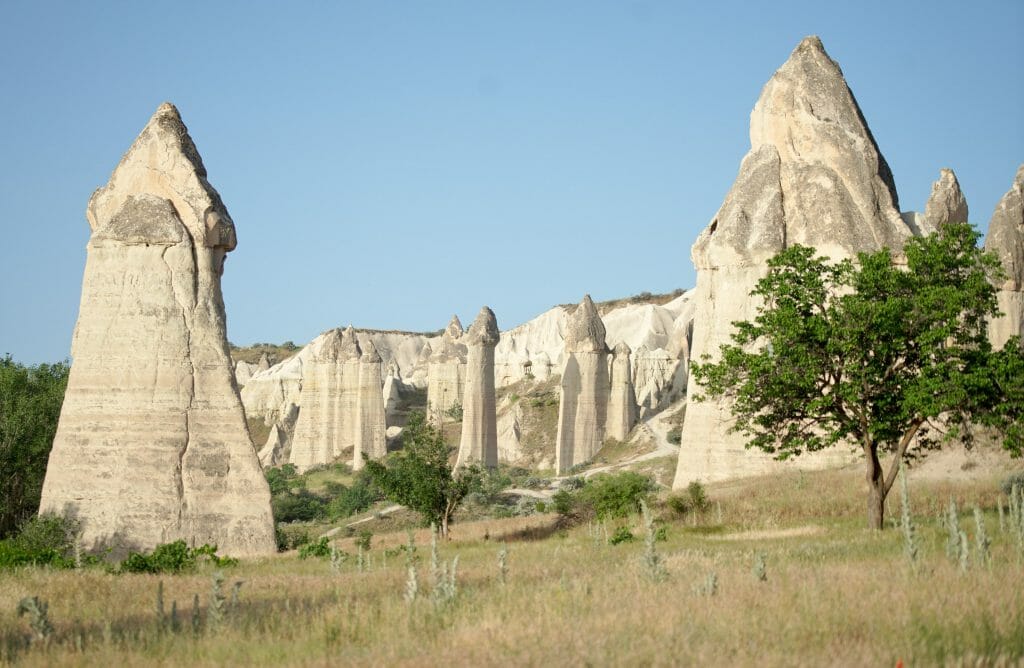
[388, 164]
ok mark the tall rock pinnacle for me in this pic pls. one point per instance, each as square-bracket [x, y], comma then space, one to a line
[813, 176]
[583, 410]
[946, 204]
[1005, 238]
[152, 444]
[479, 442]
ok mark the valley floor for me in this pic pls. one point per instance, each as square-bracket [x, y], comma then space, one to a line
[834, 593]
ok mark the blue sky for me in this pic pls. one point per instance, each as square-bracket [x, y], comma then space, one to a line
[388, 164]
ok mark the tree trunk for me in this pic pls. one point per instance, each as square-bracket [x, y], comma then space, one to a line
[876, 488]
[444, 524]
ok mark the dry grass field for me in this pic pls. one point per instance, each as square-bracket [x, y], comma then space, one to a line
[834, 594]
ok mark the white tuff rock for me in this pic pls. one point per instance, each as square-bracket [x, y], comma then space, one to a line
[1006, 238]
[152, 444]
[813, 176]
[479, 443]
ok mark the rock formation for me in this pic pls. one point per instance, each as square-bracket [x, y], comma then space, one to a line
[370, 428]
[264, 363]
[479, 444]
[152, 444]
[946, 204]
[813, 176]
[446, 373]
[622, 408]
[327, 413]
[243, 372]
[1006, 238]
[278, 447]
[582, 413]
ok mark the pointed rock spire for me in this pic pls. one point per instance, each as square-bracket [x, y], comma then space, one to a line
[585, 330]
[946, 204]
[815, 176]
[583, 409]
[174, 459]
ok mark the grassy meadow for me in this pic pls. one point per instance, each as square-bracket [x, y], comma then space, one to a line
[833, 593]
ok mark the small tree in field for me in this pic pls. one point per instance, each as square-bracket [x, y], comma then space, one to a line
[420, 476]
[872, 355]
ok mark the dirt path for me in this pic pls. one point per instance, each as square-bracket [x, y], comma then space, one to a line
[655, 428]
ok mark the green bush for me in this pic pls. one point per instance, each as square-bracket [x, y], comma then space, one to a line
[616, 494]
[298, 506]
[173, 558]
[621, 535]
[675, 435]
[45, 540]
[321, 549]
[348, 501]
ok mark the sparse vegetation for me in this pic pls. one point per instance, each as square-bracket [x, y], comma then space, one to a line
[819, 597]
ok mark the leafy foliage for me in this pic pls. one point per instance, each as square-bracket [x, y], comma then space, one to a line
[290, 501]
[420, 476]
[606, 495]
[173, 558]
[30, 401]
[616, 494]
[871, 354]
[45, 540]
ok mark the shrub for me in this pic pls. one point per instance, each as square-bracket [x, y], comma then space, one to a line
[621, 535]
[616, 495]
[1015, 479]
[301, 506]
[173, 558]
[675, 435]
[320, 549]
[698, 497]
[45, 540]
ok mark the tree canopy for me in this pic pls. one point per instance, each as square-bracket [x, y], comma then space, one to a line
[887, 358]
[30, 401]
[420, 476]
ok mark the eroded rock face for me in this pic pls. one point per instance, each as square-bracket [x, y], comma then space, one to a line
[327, 403]
[446, 373]
[152, 444]
[1006, 239]
[622, 408]
[479, 443]
[813, 176]
[278, 448]
[370, 428]
[583, 411]
[946, 204]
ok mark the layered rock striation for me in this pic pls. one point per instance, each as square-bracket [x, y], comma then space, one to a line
[1005, 238]
[479, 443]
[325, 426]
[583, 410]
[622, 408]
[370, 427]
[813, 176]
[152, 444]
[446, 373]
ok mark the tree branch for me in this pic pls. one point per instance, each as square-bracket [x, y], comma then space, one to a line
[900, 451]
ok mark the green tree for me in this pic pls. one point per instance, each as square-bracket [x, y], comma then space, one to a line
[871, 354]
[30, 401]
[420, 476]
